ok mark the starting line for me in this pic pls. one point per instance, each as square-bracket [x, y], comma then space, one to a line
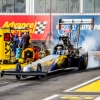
[87, 87]
[83, 84]
[72, 97]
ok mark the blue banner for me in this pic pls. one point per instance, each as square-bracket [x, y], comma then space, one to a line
[89, 39]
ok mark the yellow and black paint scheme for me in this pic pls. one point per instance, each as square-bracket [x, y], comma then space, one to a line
[60, 62]
[6, 54]
[5, 44]
[50, 64]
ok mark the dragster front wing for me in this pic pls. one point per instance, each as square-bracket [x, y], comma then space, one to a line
[32, 73]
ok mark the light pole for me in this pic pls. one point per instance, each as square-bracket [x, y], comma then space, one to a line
[50, 34]
[50, 19]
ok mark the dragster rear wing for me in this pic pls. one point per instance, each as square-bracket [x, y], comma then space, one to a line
[76, 21]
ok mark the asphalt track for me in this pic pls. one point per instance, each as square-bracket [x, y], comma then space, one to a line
[69, 84]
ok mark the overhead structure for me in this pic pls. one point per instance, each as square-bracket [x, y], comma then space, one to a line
[76, 21]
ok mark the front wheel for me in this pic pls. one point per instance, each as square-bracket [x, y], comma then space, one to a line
[18, 69]
[5, 62]
[39, 69]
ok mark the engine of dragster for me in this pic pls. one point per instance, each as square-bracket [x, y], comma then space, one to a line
[73, 54]
[67, 47]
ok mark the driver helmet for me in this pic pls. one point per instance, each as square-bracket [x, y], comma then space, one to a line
[59, 48]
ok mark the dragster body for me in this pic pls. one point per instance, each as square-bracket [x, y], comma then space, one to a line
[40, 67]
[48, 63]
[62, 57]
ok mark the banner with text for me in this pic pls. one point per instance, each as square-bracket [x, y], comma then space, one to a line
[88, 37]
[39, 25]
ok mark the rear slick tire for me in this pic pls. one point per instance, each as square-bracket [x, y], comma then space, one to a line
[83, 62]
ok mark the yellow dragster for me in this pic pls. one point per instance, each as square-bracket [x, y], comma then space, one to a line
[61, 58]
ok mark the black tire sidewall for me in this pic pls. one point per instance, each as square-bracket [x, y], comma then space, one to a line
[5, 62]
[39, 69]
[86, 60]
[18, 69]
[83, 62]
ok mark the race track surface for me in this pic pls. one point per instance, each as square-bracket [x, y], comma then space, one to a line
[69, 84]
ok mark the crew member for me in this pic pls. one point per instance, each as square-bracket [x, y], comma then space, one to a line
[43, 47]
[36, 56]
[25, 40]
[20, 40]
[15, 42]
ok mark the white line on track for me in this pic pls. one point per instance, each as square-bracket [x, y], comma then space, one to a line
[4, 83]
[78, 86]
[98, 98]
[10, 86]
[51, 97]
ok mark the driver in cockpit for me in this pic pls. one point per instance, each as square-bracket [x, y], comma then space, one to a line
[66, 34]
[59, 48]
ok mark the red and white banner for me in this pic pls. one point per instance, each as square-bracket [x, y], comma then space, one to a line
[39, 25]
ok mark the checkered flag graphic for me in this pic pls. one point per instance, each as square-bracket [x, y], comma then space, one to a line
[40, 27]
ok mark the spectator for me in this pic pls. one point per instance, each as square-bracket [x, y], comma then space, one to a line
[11, 37]
[25, 40]
[15, 42]
[20, 40]
[36, 56]
[43, 47]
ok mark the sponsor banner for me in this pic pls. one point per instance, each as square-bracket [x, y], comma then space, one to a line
[39, 25]
[85, 30]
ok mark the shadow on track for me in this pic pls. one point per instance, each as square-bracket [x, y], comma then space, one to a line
[59, 73]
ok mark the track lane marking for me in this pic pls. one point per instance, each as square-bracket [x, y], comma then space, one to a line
[80, 85]
[92, 87]
[98, 98]
[4, 83]
[10, 86]
[51, 97]
[72, 97]
[77, 97]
